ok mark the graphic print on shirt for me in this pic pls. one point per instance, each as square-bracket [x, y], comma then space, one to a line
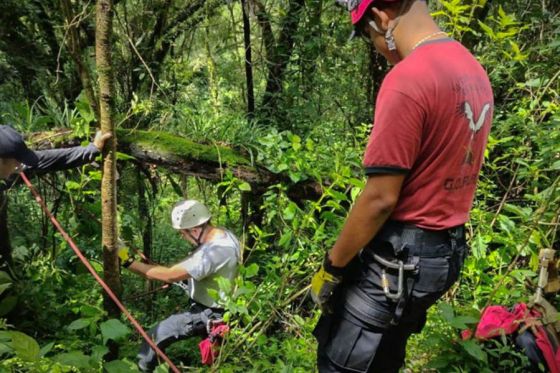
[466, 109]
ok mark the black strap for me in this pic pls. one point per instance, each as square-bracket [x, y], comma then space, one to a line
[410, 240]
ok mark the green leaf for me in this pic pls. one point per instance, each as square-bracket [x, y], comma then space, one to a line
[113, 329]
[245, 187]
[97, 353]
[290, 211]
[251, 270]
[72, 185]
[487, 30]
[163, 368]
[124, 157]
[90, 311]
[446, 311]
[79, 324]
[474, 349]
[25, 347]
[46, 349]
[74, 359]
[5, 336]
[5, 278]
[5, 349]
[285, 239]
[120, 366]
[460, 322]
[338, 195]
[3, 287]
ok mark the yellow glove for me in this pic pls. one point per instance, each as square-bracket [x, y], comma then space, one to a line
[324, 283]
[124, 254]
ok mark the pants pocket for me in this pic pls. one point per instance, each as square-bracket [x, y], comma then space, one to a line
[352, 347]
[433, 275]
[369, 309]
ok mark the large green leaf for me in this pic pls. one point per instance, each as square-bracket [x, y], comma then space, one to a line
[25, 347]
[74, 359]
[113, 329]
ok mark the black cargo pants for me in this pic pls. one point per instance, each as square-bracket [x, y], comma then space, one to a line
[368, 331]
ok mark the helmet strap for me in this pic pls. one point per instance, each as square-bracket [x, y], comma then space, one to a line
[198, 239]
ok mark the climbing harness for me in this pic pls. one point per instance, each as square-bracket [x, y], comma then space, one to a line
[86, 263]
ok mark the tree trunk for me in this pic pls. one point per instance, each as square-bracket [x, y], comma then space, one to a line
[103, 34]
[248, 62]
[5, 246]
[146, 227]
[75, 49]
[282, 54]
[145, 215]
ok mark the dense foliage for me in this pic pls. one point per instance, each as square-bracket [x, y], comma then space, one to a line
[180, 69]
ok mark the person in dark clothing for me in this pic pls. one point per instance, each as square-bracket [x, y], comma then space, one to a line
[16, 157]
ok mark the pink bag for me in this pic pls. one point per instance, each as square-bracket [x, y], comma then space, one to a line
[209, 347]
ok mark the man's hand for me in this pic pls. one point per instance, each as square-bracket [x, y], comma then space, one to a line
[101, 139]
[324, 283]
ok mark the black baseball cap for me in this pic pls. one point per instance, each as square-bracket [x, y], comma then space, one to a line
[13, 146]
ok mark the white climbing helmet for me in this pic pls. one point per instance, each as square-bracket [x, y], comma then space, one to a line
[189, 214]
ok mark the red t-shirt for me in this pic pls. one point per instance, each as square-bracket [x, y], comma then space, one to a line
[432, 119]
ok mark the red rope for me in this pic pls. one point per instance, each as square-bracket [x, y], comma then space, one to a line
[112, 295]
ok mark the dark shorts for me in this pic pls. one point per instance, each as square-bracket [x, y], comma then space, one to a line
[368, 331]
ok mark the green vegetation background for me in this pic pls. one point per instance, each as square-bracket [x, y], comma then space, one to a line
[313, 128]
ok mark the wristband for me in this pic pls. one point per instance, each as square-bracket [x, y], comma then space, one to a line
[328, 266]
[128, 262]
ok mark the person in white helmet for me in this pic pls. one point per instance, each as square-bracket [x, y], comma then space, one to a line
[217, 255]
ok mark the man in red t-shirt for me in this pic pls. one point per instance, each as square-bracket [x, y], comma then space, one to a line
[432, 118]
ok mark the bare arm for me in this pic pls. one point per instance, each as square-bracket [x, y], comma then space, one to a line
[160, 273]
[372, 208]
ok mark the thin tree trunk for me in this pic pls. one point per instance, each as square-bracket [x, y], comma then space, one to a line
[146, 229]
[248, 62]
[278, 61]
[103, 33]
[5, 246]
[145, 216]
[75, 49]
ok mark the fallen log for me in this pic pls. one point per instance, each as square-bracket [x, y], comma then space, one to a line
[183, 156]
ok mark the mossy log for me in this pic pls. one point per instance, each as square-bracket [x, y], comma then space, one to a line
[183, 156]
